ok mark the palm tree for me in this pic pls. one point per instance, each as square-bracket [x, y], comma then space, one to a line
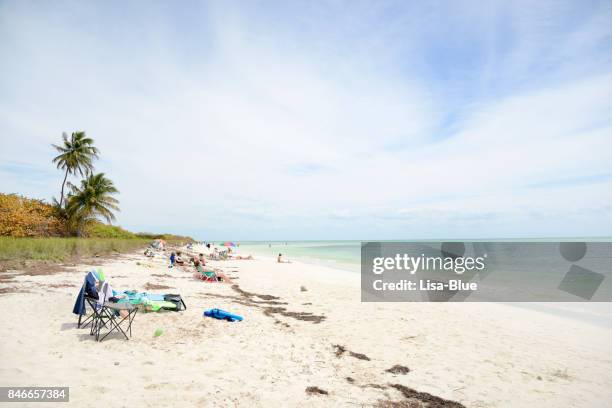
[92, 199]
[76, 156]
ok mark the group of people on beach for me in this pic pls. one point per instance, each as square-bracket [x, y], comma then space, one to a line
[176, 259]
[198, 262]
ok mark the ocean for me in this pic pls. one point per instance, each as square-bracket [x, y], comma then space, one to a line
[346, 255]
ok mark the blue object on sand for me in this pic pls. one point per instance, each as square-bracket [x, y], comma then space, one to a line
[222, 315]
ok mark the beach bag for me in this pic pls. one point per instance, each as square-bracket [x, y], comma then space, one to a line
[177, 300]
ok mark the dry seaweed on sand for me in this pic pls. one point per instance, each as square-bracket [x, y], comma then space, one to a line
[305, 316]
[6, 277]
[269, 311]
[10, 289]
[251, 294]
[398, 369]
[341, 350]
[430, 401]
[316, 391]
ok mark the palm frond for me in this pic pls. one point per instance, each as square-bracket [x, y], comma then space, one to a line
[93, 198]
[76, 154]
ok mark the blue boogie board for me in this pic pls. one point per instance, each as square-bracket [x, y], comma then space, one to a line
[222, 315]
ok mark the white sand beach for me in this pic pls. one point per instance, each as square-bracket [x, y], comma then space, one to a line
[476, 354]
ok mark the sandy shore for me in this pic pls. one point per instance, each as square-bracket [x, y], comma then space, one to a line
[478, 355]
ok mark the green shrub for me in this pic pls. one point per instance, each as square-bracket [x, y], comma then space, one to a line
[99, 230]
[169, 238]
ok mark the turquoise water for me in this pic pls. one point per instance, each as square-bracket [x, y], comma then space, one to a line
[347, 254]
[338, 254]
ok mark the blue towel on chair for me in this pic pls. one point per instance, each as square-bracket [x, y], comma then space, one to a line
[89, 288]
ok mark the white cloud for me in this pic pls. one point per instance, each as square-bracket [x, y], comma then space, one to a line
[236, 129]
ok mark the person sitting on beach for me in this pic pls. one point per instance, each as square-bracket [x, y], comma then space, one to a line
[281, 260]
[202, 259]
[200, 270]
[172, 260]
[178, 259]
[217, 276]
[244, 257]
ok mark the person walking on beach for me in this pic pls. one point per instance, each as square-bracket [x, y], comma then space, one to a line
[172, 260]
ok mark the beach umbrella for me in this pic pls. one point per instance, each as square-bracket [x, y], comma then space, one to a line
[227, 244]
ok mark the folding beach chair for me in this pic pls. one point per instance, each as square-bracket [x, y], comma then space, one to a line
[89, 319]
[109, 316]
[94, 320]
[105, 313]
[207, 276]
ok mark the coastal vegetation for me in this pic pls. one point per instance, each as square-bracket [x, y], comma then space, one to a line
[34, 230]
[26, 217]
[63, 249]
[76, 155]
[91, 200]
[30, 234]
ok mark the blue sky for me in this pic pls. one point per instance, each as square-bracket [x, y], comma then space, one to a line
[320, 120]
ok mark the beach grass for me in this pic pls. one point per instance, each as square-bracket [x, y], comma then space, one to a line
[62, 249]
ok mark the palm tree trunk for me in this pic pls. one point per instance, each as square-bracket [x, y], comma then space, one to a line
[80, 226]
[63, 184]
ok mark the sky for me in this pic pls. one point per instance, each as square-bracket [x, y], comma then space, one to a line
[273, 120]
